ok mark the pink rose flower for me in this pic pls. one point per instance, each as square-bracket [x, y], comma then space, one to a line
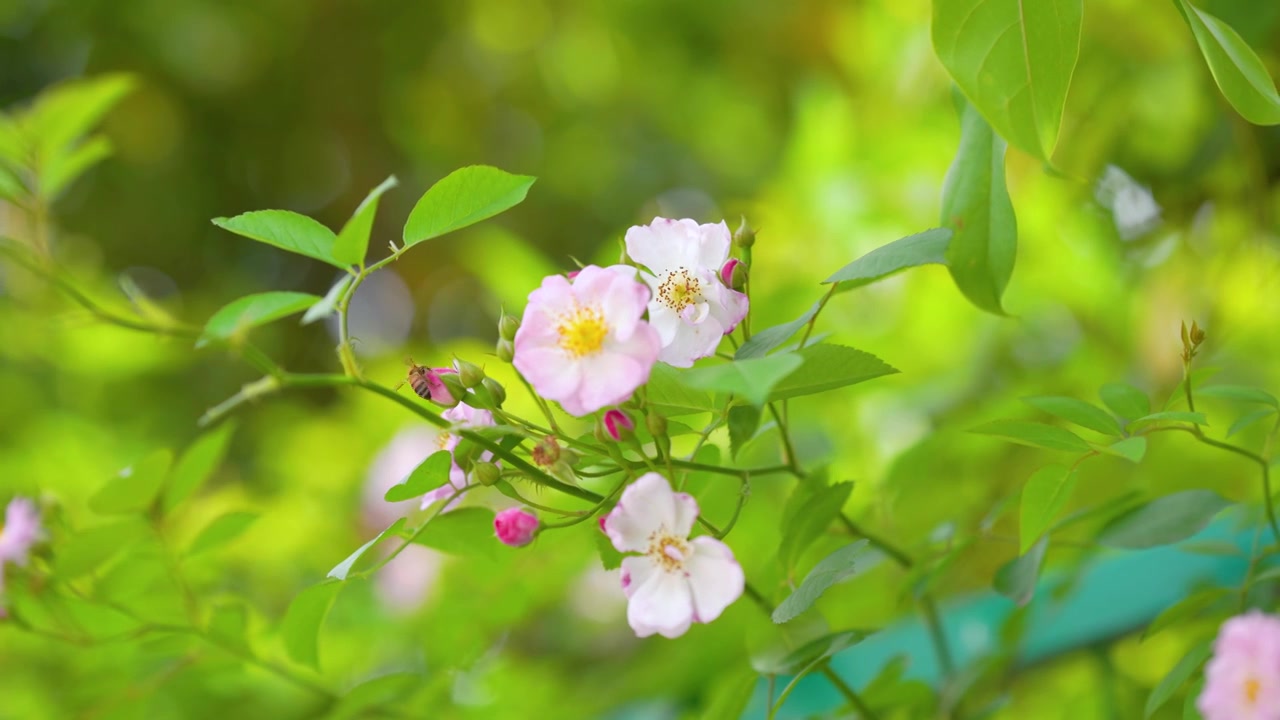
[583, 343]
[515, 526]
[1242, 681]
[676, 581]
[691, 308]
[21, 531]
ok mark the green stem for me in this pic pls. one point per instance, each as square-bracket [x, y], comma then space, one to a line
[788, 449]
[808, 330]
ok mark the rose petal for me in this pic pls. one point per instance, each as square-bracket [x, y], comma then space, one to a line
[662, 604]
[715, 578]
[647, 506]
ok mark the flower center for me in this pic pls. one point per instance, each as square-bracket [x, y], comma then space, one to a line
[442, 440]
[668, 551]
[679, 290]
[1251, 689]
[582, 332]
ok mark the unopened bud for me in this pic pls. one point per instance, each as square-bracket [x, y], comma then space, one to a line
[734, 274]
[547, 452]
[485, 473]
[464, 454]
[505, 350]
[470, 373]
[745, 235]
[507, 327]
[618, 425]
[515, 527]
[453, 385]
[1197, 335]
[496, 390]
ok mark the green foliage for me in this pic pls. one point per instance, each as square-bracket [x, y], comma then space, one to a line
[1163, 521]
[1241, 393]
[89, 549]
[343, 569]
[239, 316]
[923, 248]
[466, 531]
[135, 487]
[287, 231]
[1033, 434]
[1239, 72]
[811, 511]
[753, 380]
[843, 564]
[976, 207]
[806, 657]
[770, 339]
[1014, 60]
[1177, 677]
[1017, 578]
[197, 463]
[1132, 449]
[328, 303]
[829, 367]
[429, 475]
[1043, 497]
[1125, 400]
[668, 392]
[464, 197]
[300, 628]
[221, 531]
[1185, 610]
[743, 421]
[352, 243]
[1076, 411]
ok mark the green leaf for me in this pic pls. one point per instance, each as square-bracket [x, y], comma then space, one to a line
[811, 519]
[744, 420]
[66, 111]
[382, 690]
[827, 367]
[1189, 709]
[343, 569]
[1219, 548]
[229, 625]
[89, 549]
[668, 393]
[1034, 434]
[1125, 400]
[11, 188]
[133, 489]
[325, 307]
[1014, 60]
[730, 693]
[1239, 72]
[221, 531]
[1178, 677]
[976, 206]
[197, 463]
[749, 379]
[1163, 521]
[1017, 578]
[610, 558]
[1132, 449]
[1044, 496]
[1196, 418]
[1248, 420]
[302, 621]
[767, 340]
[352, 242]
[837, 567]
[62, 170]
[464, 197]
[238, 316]
[287, 231]
[923, 248]
[815, 651]
[1076, 411]
[1185, 609]
[429, 475]
[1242, 393]
[465, 531]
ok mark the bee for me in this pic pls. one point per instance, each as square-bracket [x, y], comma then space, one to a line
[417, 379]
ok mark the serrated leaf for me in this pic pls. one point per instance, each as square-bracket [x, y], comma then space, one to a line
[429, 475]
[1177, 677]
[827, 367]
[751, 379]
[133, 489]
[464, 197]
[1132, 449]
[1185, 609]
[1248, 420]
[1196, 418]
[1242, 393]
[1163, 521]
[1034, 434]
[976, 206]
[325, 307]
[841, 565]
[1017, 578]
[250, 311]
[197, 463]
[923, 248]
[301, 626]
[343, 569]
[221, 531]
[1014, 60]
[1076, 411]
[767, 340]
[667, 392]
[1239, 72]
[810, 519]
[743, 422]
[287, 231]
[1044, 496]
[352, 242]
[465, 531]
[1125, 400]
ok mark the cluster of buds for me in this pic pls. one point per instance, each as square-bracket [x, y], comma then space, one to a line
[1191, 341]
[507, 328]
[465, 382]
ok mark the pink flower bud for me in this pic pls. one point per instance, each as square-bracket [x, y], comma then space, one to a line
[438, 392]
[618, 425]
[726, 271]
[572, 274]
[515, 526]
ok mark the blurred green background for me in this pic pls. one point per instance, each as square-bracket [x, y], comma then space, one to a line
[828, 124]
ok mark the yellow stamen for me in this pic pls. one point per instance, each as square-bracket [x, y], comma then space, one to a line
[680, 290]
[1251, 689]
[668, 551]
[582, 332]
